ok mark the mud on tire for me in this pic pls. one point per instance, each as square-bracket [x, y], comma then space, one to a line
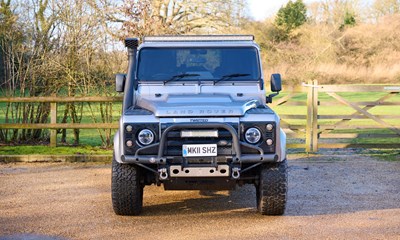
[272, 189]
[126, 189]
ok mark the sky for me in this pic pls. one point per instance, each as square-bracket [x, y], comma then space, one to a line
[261, 9]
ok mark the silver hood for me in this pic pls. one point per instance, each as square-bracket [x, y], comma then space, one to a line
[197, 105]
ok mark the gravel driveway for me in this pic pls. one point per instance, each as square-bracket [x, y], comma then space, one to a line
[330, 197]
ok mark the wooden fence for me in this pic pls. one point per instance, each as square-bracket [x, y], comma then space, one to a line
[319, 126]
[53, 125]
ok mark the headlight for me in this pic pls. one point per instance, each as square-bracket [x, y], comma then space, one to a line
[252, 135]
[269, 126]
[145, 137]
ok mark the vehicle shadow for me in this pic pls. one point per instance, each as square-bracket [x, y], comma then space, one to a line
[194, 202]
[326, 186]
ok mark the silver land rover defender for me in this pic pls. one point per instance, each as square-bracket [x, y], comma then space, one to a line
[195, 117]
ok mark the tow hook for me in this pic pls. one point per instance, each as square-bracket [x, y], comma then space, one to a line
[236, 173]
[163, 173]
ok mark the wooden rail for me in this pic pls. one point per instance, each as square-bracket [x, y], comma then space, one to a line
[53, 125]
[54, 99]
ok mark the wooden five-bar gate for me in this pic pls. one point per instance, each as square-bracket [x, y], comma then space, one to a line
[332, 120]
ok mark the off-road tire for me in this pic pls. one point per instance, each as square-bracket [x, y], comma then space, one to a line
[272, 189]
[126, 189]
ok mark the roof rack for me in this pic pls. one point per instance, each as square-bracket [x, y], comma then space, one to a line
[198, 38]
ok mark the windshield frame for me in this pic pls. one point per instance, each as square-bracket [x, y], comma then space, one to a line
[257, 78]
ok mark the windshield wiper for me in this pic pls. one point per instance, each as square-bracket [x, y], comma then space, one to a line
[229, 76]
[180, 76]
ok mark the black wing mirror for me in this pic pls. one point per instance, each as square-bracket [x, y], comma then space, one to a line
[120, 82]
[276, 82]
[276, 86]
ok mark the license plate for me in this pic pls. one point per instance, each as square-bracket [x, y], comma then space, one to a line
[199, 150]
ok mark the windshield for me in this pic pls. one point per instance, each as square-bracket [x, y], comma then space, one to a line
[216, 64]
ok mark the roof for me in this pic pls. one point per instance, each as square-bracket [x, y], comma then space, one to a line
[199, 41]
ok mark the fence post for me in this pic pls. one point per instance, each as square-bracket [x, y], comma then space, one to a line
[315, 117]
[53, 120]
[309, 117]
[312, 117]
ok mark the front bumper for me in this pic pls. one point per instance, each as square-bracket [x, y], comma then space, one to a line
[238, 158]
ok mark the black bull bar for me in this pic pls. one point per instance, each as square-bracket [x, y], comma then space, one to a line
[239, 158]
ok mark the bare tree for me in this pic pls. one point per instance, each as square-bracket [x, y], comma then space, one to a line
[385, 7]
[334, 12]
[140, 18]
[23, 50]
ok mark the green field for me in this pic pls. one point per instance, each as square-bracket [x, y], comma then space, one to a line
[91, 143]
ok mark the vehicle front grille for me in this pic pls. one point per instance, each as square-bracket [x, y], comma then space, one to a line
[175, 141]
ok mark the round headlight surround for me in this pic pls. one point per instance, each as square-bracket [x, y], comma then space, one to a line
[252, 135]
[145, 137]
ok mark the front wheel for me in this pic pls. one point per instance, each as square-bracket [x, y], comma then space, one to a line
[126, 189]
[272, 189]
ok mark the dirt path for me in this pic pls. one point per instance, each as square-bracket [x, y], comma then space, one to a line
[330, 197]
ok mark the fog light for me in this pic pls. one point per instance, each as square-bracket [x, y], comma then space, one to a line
[269, 142]
[146, 137]
[129, 143]
[270, 126]
[128, 128]
[252, 135]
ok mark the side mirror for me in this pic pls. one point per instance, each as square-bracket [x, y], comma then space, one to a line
[276, 82]
[120, 82]
[276, 86]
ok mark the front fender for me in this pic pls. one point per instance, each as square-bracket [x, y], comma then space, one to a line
[283, 144]
[117, 147]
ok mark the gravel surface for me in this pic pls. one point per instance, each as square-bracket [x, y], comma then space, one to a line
[330, 197]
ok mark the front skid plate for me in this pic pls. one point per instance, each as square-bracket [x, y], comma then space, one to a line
[178, 171]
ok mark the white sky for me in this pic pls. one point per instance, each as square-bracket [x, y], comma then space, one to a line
[261, 9]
